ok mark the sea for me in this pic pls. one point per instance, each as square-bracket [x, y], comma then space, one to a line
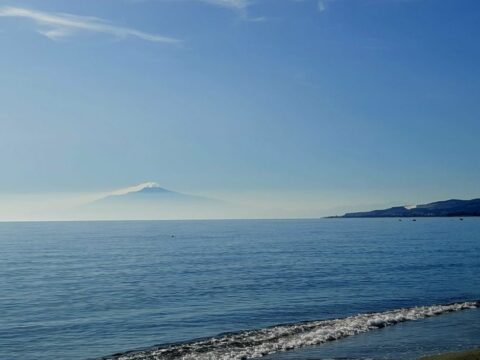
[239, 289]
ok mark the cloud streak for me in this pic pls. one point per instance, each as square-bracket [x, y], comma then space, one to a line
[243, 5]
[56, 26]
[231, 4]
[321, 6]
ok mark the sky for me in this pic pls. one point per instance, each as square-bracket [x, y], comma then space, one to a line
[310, 106]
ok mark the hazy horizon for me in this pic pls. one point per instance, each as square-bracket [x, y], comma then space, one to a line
[284, 108]
[246, 205]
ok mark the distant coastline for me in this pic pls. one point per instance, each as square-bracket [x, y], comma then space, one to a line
[446, 208]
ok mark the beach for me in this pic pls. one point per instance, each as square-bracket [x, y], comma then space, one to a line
[463, 355]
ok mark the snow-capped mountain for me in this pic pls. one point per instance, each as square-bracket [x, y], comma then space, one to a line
[151, 201]
[150, 192]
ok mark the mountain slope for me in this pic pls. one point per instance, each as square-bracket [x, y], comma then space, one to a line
[151, 193]
[149, 201]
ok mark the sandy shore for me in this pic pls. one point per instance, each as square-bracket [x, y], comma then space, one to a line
[464, 355]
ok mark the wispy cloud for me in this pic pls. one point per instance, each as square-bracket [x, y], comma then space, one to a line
[135, 188]
[321, 5]
[60, 25]
[239, 6]
[243, 5]
[231, 4]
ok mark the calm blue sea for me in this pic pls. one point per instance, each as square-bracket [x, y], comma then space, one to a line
[81, 290]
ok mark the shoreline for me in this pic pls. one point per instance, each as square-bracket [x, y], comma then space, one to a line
[473, 354]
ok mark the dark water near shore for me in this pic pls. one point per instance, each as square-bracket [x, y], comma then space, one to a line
[89, 289]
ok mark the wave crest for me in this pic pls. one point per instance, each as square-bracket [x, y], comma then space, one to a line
[257, 343]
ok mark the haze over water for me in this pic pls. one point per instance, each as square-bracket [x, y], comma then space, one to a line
[90, 289]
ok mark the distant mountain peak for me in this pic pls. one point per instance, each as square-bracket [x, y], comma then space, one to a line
[146, 186]
[152, 192]
[148, 200]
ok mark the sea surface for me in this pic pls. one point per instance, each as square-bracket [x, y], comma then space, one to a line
[286, 289]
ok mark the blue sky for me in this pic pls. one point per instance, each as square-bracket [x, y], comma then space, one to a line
[373, 100]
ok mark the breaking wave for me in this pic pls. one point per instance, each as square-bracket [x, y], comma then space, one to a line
[257, 343]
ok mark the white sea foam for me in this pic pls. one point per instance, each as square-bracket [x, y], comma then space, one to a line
[258, 343]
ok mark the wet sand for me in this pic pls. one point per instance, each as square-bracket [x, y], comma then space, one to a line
[464, 355]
